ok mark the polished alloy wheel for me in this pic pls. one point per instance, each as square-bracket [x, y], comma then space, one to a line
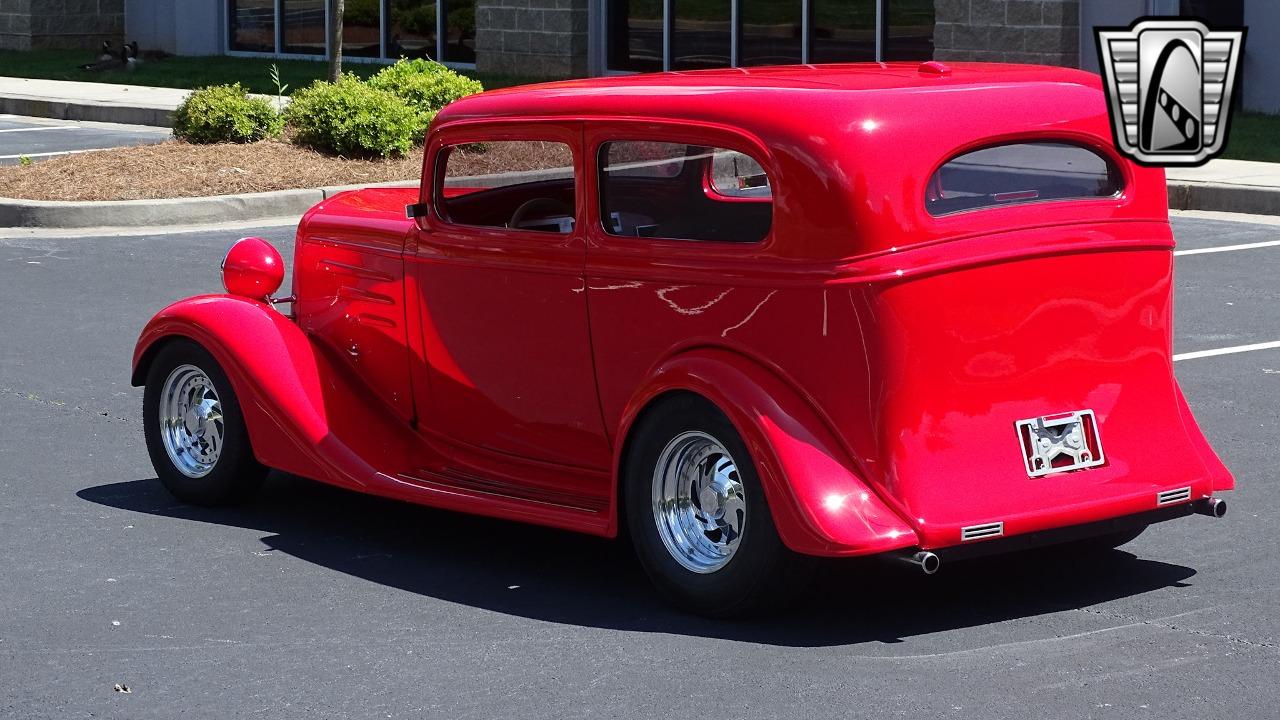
[698, 502]
[191, 422]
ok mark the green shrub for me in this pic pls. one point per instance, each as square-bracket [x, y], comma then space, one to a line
[351, 118]
[426, 85]
[225, 113]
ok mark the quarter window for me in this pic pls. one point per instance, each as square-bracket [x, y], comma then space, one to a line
[681, 191]
[1021, 173]
[516, 184]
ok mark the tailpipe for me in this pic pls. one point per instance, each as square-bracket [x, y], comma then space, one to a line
[1213, 507]
[928, 562]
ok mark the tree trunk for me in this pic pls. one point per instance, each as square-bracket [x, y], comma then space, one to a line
[335, 39]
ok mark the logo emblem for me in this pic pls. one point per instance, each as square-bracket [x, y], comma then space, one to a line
[1059, 443]
[1169, 87]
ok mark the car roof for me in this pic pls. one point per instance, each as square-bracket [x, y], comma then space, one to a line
[870, 134]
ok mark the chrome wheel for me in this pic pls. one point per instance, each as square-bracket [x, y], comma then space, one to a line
[191, 423]
[699, 505]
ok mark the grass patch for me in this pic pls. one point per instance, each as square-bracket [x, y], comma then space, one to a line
[1254, 136]
[194, 72]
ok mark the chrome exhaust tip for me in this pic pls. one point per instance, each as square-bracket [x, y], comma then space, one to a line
[928, 562]
[1213, 507]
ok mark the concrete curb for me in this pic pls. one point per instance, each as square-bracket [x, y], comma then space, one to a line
[1223, 197]
[174, 211]
[90, 111]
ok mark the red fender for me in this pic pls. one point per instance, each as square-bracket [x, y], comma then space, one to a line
[819, 503]
[294, 399]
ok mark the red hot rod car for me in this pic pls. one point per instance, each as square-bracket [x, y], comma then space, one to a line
[746, 316]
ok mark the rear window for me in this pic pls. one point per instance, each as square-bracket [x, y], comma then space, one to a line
[1021, 173]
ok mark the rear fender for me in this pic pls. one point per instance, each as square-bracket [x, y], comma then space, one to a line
[820, 504]
[296, 402]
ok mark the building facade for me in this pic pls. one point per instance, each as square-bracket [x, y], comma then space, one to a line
[569, 38]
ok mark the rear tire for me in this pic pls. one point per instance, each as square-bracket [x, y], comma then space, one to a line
[194, 429]
[698, 518]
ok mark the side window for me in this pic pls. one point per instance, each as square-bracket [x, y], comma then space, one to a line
[679, 191]
[518, 184]
[1021, 173]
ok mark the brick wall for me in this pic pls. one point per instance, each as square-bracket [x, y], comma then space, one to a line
[537, 38]
[1025, 31]
[32, 24]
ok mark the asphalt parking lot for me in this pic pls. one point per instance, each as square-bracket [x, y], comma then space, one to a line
[43, 138]
[314, 602]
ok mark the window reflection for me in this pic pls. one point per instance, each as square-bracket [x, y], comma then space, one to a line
[844, 31]
[909, 30]
[253, 25]
[771, 32]
[303, 28]
[361, 28]
[411, 32]
[460, 31]
[700, 38]
[635, 35]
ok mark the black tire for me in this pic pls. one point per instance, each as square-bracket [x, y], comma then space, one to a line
[236, 474]
[760, 575]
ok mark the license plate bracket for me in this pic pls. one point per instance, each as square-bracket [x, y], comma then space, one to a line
[1058, 443]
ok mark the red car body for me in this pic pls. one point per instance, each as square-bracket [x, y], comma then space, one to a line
[875, 358]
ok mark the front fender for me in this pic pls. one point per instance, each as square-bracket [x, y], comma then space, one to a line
[296, 401]
[819, 503]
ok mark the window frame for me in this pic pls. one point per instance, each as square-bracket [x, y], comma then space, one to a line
[490, 130]
[703, 134]
[1089, 144]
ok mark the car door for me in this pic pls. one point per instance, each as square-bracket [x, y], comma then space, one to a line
[498, 264]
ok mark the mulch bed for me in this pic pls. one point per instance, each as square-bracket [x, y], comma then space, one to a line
[175, 169]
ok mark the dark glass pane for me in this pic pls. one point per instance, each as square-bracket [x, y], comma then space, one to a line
[303, 26]
[843, 31]
[362, 28]
[1021, 173]
[701, 36]
[683, 192]
[635, 35]
[909, 30]
[412, 30]
[460, 31]
[253, 25]
[770, 32]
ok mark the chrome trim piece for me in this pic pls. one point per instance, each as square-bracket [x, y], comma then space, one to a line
[1168, 497]
[979, 532]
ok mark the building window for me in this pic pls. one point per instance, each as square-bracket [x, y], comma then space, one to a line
[646, 35]
[442, 30]
[843, 31]
[634, 35]
[302, 26]
[253, 25]
[771, 32]
[700, 37]
[411, 32]
[909, 30]
[459, 31]
[362, 28]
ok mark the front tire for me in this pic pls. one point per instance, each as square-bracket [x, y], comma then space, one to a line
[698, 517]
[194, 429]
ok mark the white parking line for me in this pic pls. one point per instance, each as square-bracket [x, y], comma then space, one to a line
[1226, 351]
[47, 127]
[1224, 248]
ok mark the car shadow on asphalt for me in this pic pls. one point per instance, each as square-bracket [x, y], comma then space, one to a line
[564, 577]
